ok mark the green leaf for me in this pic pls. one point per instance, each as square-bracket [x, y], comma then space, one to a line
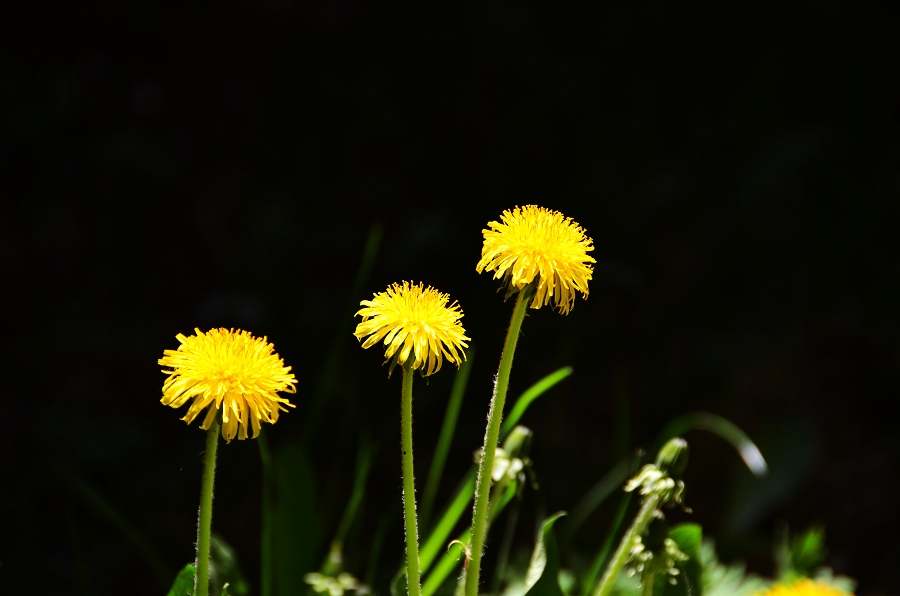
[224, 569]
[184, 582]
[542, 577]
[689, 538]
[808, 551]
[726, 580]
[295, 530]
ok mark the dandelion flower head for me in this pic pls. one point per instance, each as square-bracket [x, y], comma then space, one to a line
[228, 371]
[413, 319]
[532, 243]
[806, 587]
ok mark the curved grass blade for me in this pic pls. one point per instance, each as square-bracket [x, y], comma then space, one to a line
[441, 532]
[531, 394]
[448, 561]
[722, 427]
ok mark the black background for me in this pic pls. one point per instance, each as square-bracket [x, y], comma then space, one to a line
[199, 166]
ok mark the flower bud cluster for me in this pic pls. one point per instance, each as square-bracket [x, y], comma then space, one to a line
[335, 586]
[664, 561]
[652, 481]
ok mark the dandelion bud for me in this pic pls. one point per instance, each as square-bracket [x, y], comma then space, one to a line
[518, 443]
[672, 458]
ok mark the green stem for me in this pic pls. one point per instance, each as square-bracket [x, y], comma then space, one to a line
[648, 580]
[265, 549]
[409, 485]
[491, 436]
[201, 581]
[645, 514]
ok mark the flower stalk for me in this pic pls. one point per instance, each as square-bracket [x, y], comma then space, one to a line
[409, 485]
[648, 580]
[660, 485]
[419, 330]
[204, 524]
[235, 379]
[644, 517]
[491, 437]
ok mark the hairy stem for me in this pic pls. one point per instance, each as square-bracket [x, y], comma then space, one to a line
[204, 525]
[491, 436]
[409, 485]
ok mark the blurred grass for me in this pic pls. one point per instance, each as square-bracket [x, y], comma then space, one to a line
[720, 427]
[296, 530]
[448, 429]
[98, 506]
[330, 366]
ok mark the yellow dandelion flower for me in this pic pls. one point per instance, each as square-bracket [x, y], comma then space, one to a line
[228, 371]
[532, 243]
[413, 319]
[806, 587]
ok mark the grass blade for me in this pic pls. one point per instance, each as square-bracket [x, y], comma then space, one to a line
[531, 394]
[329, 370]
[97, 504]
[441, 532]
[363, 463]
[445, 439]
[448, 562]
[609, 484]
[590, 580]
[722, 427]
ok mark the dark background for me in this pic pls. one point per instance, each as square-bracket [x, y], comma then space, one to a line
[170, 168]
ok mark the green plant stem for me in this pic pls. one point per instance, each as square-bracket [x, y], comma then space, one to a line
[491, 436]
[648, 580]
[409, 485]
[265, 547]
[201, 582]
[645, 514]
